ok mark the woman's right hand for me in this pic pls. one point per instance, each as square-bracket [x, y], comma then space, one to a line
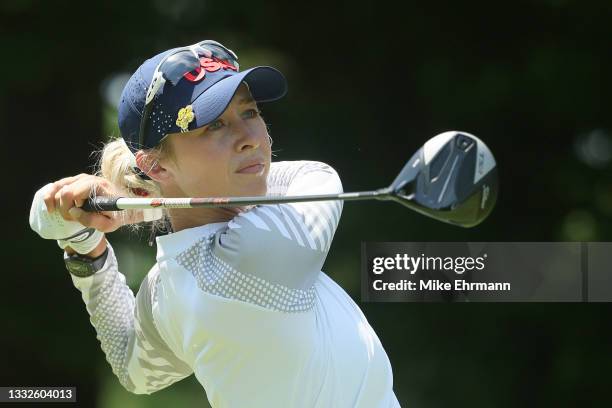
[65, 196]
[55, 213]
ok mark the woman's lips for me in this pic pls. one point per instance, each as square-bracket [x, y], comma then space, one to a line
[255, 168]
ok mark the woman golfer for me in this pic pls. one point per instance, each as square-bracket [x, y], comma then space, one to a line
[237, 296]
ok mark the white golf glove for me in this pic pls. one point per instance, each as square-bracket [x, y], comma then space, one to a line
[53, 226]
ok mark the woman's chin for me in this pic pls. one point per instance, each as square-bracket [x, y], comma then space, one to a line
[253, 190]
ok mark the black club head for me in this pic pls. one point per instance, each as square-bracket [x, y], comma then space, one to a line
[452, 178]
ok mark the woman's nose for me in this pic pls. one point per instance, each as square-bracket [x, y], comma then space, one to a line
[248, 137]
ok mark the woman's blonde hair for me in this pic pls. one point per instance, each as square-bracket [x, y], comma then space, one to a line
[117, 164]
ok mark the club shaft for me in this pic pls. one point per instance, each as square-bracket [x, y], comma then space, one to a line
[125, 203]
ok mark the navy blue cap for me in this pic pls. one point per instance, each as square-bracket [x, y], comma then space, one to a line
[208, 96]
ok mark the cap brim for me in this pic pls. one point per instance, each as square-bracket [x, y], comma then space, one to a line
[266, 84]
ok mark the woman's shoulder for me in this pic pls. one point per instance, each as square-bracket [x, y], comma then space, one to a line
[300, 165]
[292, 176]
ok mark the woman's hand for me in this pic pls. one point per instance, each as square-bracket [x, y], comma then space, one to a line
[55, 214]
[65, 196]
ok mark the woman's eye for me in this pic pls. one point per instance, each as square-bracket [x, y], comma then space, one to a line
[217, 124]
[251, 113]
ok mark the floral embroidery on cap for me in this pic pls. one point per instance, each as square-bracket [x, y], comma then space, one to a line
[185, 117]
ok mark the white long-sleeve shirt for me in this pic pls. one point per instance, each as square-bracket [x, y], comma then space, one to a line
[245, 307]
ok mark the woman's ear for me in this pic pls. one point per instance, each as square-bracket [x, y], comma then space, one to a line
[149, 164]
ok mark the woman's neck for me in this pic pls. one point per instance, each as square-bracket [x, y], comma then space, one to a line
[183, 218]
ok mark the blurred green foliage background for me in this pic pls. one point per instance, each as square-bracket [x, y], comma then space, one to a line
[369, 83]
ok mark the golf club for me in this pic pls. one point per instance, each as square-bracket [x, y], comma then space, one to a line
[452, 178]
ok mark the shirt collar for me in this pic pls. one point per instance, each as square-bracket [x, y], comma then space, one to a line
[172, 244]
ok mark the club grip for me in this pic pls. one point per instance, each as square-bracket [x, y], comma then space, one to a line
[101, 204]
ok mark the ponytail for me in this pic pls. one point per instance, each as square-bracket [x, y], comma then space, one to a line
[117, 165]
